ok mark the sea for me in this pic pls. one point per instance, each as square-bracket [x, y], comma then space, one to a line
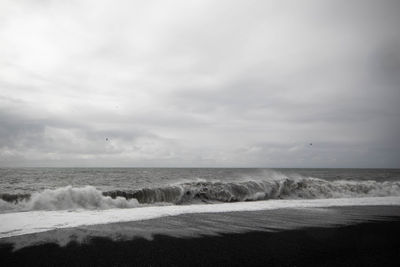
[36, 200]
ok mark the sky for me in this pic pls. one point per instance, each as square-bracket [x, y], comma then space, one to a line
[187, 83]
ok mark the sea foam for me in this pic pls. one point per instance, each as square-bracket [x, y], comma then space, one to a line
[19, 223]
[67, 198]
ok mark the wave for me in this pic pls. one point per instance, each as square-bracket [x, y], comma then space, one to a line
[287, 188]
[66, 198]
[14, 197]
[197, 192]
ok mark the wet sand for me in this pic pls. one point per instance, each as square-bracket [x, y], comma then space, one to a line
[352, 236]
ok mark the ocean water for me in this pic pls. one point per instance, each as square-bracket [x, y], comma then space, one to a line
[24, 189]
[38, 200]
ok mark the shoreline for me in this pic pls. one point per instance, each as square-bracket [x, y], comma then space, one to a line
[333, 236]
[30, 222]
[364, 244]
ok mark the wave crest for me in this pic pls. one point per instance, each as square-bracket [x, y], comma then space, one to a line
[89, 197]
[68, 197]
[287, 188]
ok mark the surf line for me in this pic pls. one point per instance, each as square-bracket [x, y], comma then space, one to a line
[20, 223]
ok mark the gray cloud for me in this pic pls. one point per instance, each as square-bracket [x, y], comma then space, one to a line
[200, 83]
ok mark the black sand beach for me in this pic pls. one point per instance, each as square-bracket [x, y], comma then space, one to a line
[368, 243]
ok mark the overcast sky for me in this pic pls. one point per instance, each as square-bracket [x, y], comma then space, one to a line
[200, 83]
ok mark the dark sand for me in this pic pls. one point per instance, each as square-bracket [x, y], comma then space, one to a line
[371, 243]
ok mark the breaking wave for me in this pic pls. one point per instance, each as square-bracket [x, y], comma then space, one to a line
[195, 192]
[287, 188]
[66, 198]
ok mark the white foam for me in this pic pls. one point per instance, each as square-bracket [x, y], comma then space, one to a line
[68, 197]
[12, 224]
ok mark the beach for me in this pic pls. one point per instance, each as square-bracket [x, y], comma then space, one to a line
[199, 133]
[333, 236]
[199, 217]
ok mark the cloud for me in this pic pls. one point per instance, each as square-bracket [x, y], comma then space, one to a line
[200, 83]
